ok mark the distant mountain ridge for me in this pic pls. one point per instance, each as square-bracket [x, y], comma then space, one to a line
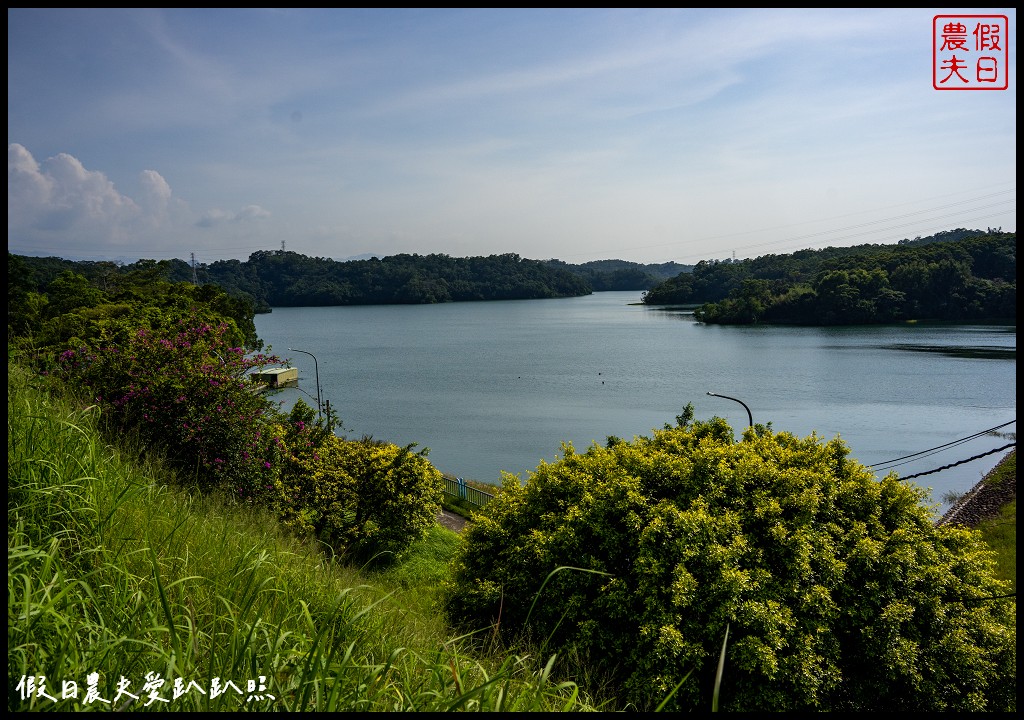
[283, 278]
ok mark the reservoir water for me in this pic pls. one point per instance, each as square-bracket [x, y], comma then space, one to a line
[498, 386]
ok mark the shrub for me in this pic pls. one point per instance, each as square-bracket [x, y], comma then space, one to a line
[838, 590]
[186, 391]
[360, 497]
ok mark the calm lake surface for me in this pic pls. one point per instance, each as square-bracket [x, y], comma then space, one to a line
[498, 386]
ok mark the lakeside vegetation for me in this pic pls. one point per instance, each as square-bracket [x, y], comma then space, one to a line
[958, 275]
[289, 279]
[113, 570]
[786, 544]
[166, 523]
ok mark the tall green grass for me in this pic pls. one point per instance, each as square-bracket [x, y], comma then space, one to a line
[116, 577]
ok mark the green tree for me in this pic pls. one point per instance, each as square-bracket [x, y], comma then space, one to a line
[71, 291]
[838, 590]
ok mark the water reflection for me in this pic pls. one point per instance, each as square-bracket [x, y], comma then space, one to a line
[962, 351]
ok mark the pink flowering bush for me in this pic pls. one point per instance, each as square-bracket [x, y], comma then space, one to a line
[184, 388]
[187, 392]
[169, 363]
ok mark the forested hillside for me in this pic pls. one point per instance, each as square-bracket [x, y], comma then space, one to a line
[963, 280]
[954, 275]
[621, 274]
[291, 279]
[288, 279]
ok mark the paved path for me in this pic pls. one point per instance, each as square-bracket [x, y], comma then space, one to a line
[451, 521]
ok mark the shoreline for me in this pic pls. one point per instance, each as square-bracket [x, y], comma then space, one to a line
[985, 499]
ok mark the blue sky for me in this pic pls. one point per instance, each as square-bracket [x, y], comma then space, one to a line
[649, 135]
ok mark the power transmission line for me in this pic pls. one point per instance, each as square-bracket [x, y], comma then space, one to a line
[929, 451]
[959, 462]
[888, 228]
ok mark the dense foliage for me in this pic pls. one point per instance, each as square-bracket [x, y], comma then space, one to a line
[55, 305]
[186, 392]
[357, 497]
[963, 280]
[124, 594]
[170, 364]
[605, 275]
[289, 279]
[836, 589]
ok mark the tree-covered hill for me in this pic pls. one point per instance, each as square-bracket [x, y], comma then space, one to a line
[954, 275]
[279, 278]
[622, 274]
[969, 278]
[290, 279]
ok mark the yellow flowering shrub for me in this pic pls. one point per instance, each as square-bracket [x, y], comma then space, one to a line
[362, 498]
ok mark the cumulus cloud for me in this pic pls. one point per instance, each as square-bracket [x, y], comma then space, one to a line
[27, 188]
[60, 205]
[253, 212]
[155, 193]
[59, 198]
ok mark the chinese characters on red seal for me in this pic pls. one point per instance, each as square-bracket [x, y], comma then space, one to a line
[970, 52]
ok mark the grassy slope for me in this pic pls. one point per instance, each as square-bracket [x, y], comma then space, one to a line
[112, 572]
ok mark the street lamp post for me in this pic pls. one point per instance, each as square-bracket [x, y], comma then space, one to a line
[750, 418]
[316, 367]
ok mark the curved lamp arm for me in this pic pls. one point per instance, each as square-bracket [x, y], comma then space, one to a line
[316, 367]
[750, 418]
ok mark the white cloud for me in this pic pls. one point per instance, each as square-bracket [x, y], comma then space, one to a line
[61, 198]
[60, 203]
[85, 197]
[155, 193]
[212, 218]
[252, 212]
[216, 216]
[27, 188]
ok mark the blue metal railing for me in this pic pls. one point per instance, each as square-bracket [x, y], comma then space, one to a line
[457, 487]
